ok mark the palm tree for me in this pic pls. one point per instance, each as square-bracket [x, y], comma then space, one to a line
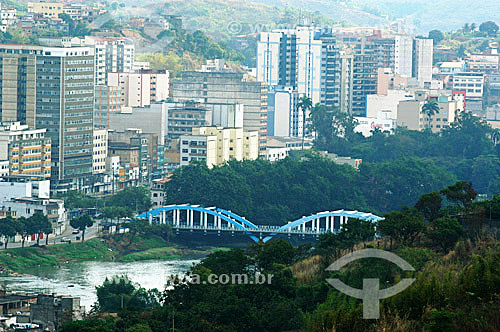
[304, 104]
[473, 27]
[429, 109]
[466, 28]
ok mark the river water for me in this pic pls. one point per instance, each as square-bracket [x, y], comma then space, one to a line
[80, 279]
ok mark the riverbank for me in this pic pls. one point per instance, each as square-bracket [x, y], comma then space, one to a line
[122, 248]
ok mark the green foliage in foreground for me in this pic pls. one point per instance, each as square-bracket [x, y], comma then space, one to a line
[457, 292]
[457, 286]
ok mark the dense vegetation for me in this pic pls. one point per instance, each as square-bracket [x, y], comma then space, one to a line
[274, 193]
[468, 149]
[396, 170]
[457, 285]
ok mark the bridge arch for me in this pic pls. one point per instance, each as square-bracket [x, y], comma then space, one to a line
[236, 222]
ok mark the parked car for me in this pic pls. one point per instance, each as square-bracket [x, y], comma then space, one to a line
[66, 239]
[76, 231]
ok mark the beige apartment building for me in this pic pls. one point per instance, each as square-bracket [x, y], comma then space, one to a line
[141, 89]
[217, 145]
[410, 114]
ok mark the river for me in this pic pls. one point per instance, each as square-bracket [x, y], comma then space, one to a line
[80, 279]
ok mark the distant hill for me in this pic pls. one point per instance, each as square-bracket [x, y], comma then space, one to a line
[228, 18]
[425, 15]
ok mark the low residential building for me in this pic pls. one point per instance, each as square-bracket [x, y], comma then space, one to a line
[28, 151]
[279, 147]
[353, 162]
[410, 113]
[387, 102]
[46, 9]
[100, 151]
[28, 206]
[158, 192]
[473, 86]
[482, 63]
[142, 88]
[4, 168]
[217, 145]
[366, 125]
[51, 311]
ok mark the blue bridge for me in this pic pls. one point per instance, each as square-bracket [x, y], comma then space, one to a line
[198, 218]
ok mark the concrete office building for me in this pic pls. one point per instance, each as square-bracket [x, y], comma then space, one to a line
[232, 88]
[217, 145]
[64, 97]
[18, 85]
[422, 60]
[141, 89]
[183, 117]
[27, 151]
[151, 119]
[283, 117]
[107, 99]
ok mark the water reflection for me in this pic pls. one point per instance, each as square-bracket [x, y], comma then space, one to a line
[80, 279]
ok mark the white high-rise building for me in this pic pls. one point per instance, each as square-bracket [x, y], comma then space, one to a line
[268, 57]
[403, 55]
[111, 55]
[422, 60]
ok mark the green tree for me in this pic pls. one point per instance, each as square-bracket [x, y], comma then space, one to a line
[89, 325]
[490, 28]
[429, 109]
[82, 223]
[305, 105]
[9, 227]
[119, 293]
[139, 328]
[445, 232]
[429, 205]
[40, 224]
[403, 226]
[436, 35]
[461, 193]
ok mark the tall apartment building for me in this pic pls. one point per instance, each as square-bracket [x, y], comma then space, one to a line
[308, 59]
[63, 98]
[142, 88]
[100, 151]
[111, 55]
[18, 85]
[27, 151]
[217, 145]
[283, 117]
[422, 60]
[232, 88]
[403, 55]
[107, 99]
